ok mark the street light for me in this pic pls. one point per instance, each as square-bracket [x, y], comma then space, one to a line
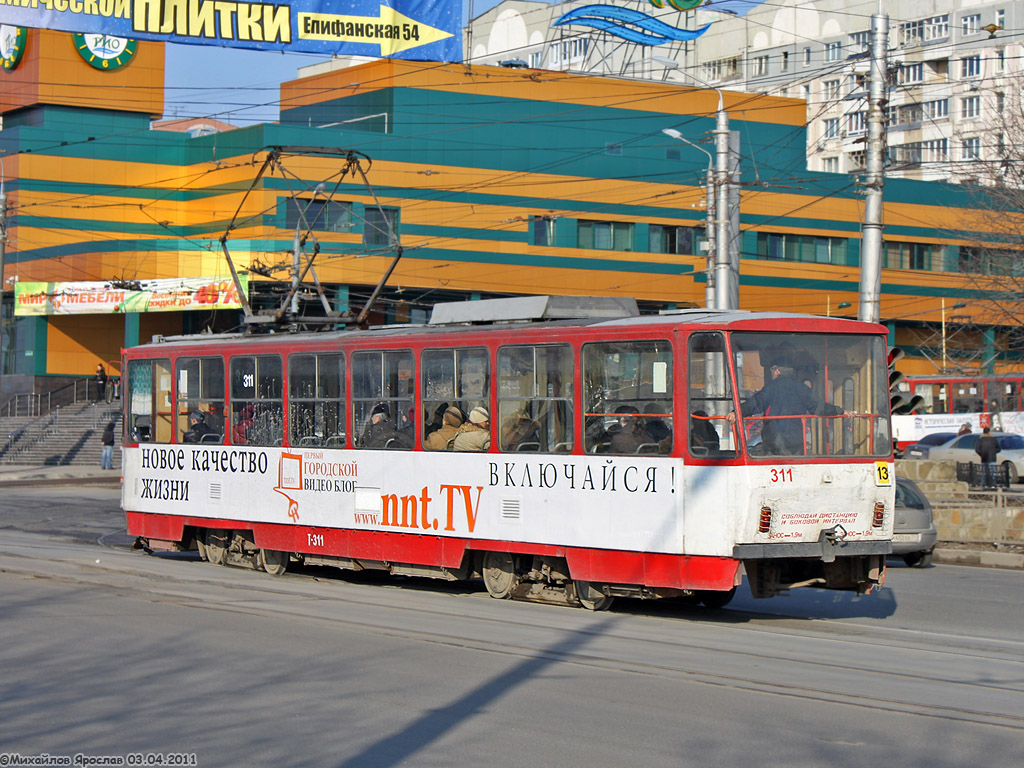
[958, 305]
[710, 223]
[840, 305]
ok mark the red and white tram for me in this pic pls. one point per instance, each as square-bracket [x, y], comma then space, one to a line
[616, 464]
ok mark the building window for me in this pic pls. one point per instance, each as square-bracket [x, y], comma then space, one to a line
[807, 57]
[833, 51]
[1001, 60]
[936, 110]
[809, 248]
[723, 69]
[830, 165]
[831, 128]
[1001, 18]
[970, 107]
[760, 66]
[830, 90]
[970, 66]
[670, 239]
[971, 149]
[784, 64]
[318, 215]
[855, 161]
[381, 227]
[907, 256]
[1000, 102]
[542, 230]
[936, 28]
[858, 122]
[969, 24]
[606, 235]
[860, 41]
[911, 73]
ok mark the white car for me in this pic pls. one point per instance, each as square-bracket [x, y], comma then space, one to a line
[1011, 452]
[913, 533]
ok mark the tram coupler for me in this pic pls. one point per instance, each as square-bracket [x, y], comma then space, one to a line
[831, 539]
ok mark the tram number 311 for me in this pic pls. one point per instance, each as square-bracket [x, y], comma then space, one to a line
[783, 475]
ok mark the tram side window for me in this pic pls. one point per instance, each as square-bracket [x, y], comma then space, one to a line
[627, 389]
[200, 399]
[455, 381]
[382, 400]
[968, 397]
[316, 400]
[257, 400]
[709, 397]
[149, 401]
[535, 391]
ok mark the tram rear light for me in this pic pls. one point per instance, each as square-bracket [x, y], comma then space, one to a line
[879, 518]
[765, 522]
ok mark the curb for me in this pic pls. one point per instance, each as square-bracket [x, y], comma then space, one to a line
[1005, 560]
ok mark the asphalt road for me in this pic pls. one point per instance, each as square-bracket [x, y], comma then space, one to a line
[111, 652]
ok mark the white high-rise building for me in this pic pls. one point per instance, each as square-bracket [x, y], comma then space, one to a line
[955, 69]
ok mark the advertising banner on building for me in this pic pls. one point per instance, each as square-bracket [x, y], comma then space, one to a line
[101, 298]
[422, 30]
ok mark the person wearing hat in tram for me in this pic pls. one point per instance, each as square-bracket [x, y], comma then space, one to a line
[381, 431]
[784, 395]
[197, 428]
[450, 423]
[475, 434]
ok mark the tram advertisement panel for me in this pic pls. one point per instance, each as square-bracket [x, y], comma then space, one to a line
[541, 499]
[625, 503]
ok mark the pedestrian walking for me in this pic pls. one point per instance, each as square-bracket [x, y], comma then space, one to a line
[107, 455]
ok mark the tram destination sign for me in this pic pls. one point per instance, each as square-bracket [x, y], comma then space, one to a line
[104, 298]
[423, 30]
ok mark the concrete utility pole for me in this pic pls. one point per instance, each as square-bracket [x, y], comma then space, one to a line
[727, 210]
[874, 178]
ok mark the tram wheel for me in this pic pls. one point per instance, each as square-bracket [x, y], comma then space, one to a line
[499, 571]
[591, 597]
[713, 598]
[216, 547]
[273, 561]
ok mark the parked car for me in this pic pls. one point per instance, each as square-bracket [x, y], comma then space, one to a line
[913, 533]
[1011, 452]
[921, 448]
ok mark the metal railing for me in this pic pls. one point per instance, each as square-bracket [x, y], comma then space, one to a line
[81, 390]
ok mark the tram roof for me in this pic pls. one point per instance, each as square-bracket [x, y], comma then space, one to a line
[735, 320]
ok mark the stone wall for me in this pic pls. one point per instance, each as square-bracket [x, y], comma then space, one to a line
[959, 516]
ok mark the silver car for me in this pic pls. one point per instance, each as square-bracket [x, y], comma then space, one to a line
[913, 533]
[1011, 452]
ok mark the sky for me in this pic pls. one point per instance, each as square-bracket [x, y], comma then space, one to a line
[242, 87]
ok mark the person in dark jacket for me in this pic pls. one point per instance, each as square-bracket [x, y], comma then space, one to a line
[381, 431]
[107, 455]
[987, 448]
[784, 395]
[101, 382]
[197, 428]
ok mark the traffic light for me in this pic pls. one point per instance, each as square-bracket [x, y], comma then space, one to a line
[900, 399]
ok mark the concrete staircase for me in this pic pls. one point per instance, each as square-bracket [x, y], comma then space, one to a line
[68, 436]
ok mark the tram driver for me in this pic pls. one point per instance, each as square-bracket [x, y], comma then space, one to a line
[784, 395]
[197, 428]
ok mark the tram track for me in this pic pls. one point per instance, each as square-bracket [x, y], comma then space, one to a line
[711, 652]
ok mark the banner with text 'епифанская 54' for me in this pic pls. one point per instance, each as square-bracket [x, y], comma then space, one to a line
[424, 30]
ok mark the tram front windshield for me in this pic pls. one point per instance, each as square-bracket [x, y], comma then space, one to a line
[812, 394]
